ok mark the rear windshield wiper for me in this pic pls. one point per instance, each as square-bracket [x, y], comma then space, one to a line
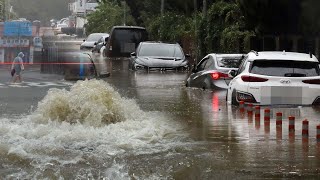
[294, 75]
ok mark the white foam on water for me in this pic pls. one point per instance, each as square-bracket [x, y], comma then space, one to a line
[92, 118]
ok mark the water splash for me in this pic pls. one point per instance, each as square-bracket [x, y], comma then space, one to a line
[90, 123]
[90, 102]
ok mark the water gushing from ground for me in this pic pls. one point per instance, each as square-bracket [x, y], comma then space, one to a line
[81, 131]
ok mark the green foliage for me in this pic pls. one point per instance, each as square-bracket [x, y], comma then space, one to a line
[223, 30]
[108, 14]
[272, 17]
[310, 24]
[171, 27]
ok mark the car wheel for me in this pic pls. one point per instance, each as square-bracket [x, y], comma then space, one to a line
[234, 98]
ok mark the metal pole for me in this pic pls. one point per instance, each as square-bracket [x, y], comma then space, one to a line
[85, 16]
[195, 3]
[162, 7]
[124, 13]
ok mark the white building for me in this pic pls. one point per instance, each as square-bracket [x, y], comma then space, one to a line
[80, 8]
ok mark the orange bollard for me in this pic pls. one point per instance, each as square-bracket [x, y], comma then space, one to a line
[257, 113]
[241, 106]
[279, 119]
[291, 123]
[267, 114]
[279, 125]
[250, 110]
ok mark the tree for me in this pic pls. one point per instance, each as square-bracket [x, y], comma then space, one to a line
[107, 15]
[272, 16]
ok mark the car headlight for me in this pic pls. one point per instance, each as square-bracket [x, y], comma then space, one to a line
[139, 66]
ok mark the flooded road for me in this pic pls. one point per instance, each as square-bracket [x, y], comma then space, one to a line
[139, 125]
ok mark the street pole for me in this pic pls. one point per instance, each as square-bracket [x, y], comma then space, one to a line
[85, 17]
[195, 3]
[124, 13]
[162, 7]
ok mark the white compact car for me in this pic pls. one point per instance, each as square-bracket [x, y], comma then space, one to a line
[276, 78]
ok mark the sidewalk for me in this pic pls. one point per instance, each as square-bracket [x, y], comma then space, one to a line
[31, 74]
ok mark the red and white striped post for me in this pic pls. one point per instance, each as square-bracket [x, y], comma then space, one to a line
[241, 106]
[267, 116]
[257, 113]
[292, 123]
[257, 116]
[250, 110]
[318, 134]
[279, 120]
[267, 120]
[305, 130]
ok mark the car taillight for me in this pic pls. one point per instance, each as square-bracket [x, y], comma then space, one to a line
[253, 79]
[312, 81]
[218, 75]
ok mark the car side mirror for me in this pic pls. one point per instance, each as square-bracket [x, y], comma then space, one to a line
[133, 54]
[188, 55]
[95, 43]
[84, 40]
[232, 73]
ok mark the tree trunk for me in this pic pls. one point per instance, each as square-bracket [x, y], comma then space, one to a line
[204, 10]
[135, 11]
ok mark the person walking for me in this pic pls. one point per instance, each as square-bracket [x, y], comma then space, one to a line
[17, 66]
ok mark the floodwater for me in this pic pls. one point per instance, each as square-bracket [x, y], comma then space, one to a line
[148, 125]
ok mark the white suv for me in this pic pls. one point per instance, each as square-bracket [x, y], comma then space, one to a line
[276, 78]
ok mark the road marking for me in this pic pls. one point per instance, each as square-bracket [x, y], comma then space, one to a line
[36, 84]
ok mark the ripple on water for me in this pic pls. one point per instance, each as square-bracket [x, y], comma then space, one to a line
[91, 118]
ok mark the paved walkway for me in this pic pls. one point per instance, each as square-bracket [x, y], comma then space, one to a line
[30, 74]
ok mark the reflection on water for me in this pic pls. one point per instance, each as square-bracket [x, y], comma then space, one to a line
[141, 125]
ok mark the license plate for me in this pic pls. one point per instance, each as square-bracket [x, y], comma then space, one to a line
[129, 47]
[281, 95]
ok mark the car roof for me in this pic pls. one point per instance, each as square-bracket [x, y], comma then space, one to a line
[154, 42]
[128, 27]
[281, 55]
[226, 55]
[102, 34]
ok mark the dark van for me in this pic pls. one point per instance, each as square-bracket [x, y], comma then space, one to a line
[124, 40]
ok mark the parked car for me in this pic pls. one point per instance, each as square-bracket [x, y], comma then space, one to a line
[102, 42]
[212, 71]
[124, 40]
[91, 40]
[157, 55]
[78, 66]
[276, 78]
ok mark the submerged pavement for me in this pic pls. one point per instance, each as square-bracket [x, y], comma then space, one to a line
[140, 125]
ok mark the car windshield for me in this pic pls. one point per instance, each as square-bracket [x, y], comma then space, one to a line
[161, 50]
[285, 68]
[94, 37]
[229, 62]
